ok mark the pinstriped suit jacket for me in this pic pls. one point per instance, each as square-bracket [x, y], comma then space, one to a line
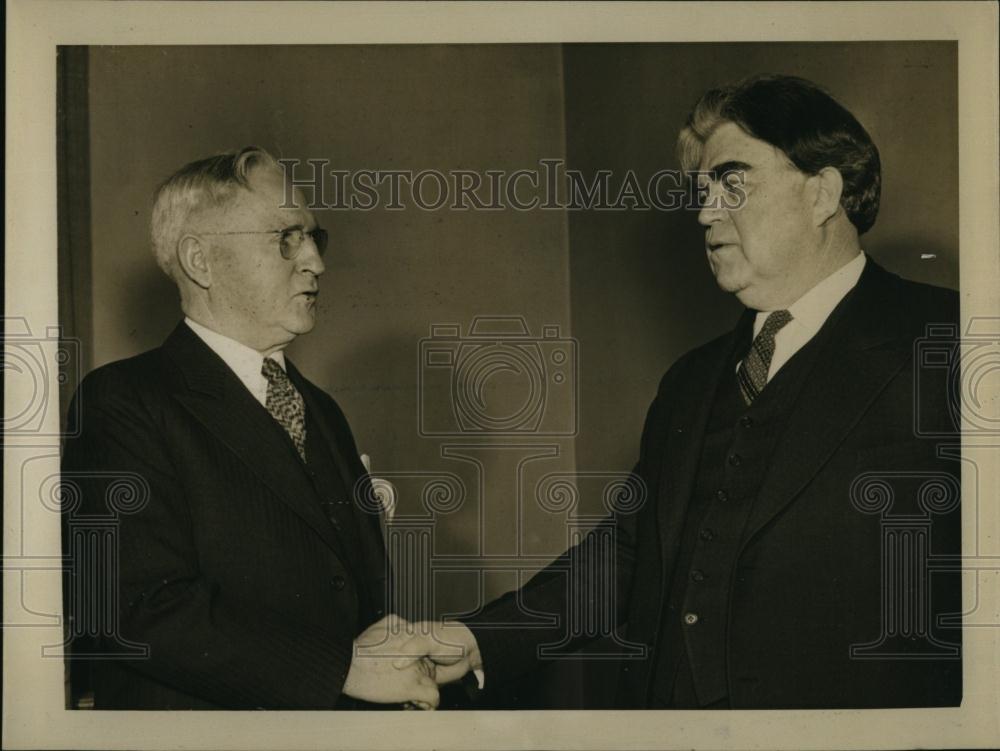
[229, 573]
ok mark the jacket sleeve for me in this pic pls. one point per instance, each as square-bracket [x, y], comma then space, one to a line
[199, 640]
[576, 586]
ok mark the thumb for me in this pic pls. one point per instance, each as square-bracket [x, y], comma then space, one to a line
[425, 692]
[451, 673]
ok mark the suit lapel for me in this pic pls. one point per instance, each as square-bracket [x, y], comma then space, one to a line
[685, 436]
[213, 394]
[861, 354]
[350, 477]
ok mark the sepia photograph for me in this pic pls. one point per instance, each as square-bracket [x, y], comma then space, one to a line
[535, 385]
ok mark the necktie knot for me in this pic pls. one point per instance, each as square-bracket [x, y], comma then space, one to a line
[752, 372]
[285, 404]
[774, 323]
[272, 371]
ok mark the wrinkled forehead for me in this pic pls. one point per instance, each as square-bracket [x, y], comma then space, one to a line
[730, 143]
[269, 197]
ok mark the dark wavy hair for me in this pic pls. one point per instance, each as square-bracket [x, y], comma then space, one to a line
[800, 118]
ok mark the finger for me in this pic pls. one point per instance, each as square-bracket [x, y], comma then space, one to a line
[397, 624]
[427, 666]
[414, 648]
[450, 673]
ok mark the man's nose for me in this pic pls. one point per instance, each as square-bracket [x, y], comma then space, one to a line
[309, 258]
[712, 210]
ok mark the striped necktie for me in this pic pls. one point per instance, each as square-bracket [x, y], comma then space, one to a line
[752, 372]
[285, 404]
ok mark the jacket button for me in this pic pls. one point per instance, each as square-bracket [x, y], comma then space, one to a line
[697, 575]
[339, 582]
[734, 460]
[746, 421]
[690, 618]
[721, 496]
[706, 534]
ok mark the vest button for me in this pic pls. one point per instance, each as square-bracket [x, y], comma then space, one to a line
[690, 618]
[706, 534]
[721, 496]
[698, 575]
[746, 421]
[734, 460]
[339, 582]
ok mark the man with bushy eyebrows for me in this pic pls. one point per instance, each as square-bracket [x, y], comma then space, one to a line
[780, 559]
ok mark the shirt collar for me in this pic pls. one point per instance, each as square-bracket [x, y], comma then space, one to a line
[812, 309]
[244, 361]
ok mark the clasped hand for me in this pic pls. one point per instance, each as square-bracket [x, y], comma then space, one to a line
[395, 661]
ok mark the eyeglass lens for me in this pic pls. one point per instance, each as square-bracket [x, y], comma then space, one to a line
[292, 239]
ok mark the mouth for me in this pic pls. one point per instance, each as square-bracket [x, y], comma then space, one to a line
[310, 295]
[714, 246]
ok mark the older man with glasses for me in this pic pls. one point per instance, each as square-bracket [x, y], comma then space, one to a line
[247, 578]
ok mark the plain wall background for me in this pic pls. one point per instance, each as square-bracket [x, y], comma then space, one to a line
[390, 274]
[631, 287]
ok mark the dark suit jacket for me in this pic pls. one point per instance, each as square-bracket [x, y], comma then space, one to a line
[229, 572]
[807, 582]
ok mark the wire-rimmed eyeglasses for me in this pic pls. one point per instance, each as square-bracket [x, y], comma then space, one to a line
[290, 239]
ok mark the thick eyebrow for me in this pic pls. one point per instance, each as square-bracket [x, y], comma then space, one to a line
[718, 170]
[302, 227]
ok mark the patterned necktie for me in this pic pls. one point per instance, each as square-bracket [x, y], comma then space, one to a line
[285, 404]
[752, 372]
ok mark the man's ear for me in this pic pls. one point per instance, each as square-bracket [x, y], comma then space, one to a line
[829, 186]
[192, 255]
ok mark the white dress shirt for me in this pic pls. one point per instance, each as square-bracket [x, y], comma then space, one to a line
[810, 312]
[244, 361]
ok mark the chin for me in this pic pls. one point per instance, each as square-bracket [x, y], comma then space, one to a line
[729, 283]
[302, 324]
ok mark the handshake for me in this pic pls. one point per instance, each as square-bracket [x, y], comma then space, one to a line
[395, 661]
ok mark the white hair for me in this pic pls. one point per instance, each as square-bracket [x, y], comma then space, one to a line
[204, 184]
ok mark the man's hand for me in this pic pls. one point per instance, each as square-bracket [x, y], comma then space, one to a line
[373, 676]
[451, 647]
